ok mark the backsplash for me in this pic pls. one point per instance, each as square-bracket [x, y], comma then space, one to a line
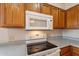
[4, 35]
[20, 34]
[54, 33]
[71, 33]
[37, 34]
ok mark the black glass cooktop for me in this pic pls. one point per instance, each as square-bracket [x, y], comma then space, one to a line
[38, 47]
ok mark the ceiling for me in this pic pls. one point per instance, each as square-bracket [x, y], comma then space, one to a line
[64, 6]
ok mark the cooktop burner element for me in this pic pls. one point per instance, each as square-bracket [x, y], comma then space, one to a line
[38, 47]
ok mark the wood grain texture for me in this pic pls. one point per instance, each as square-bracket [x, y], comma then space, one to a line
[61, 19]
[72, 18]
[54, 13]
[45, 9]
[33, 7]
[18, 15]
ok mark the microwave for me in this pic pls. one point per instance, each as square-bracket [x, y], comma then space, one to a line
[38, 21]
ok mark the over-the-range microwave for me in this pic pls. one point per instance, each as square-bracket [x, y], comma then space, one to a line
[38, 21]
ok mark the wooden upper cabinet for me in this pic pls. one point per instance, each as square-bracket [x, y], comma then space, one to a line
[58, 18]
[18, 15]
[14, 15]
[72, 18]
[45, 8]
[33, 7]
[61, 19]
[54, 13]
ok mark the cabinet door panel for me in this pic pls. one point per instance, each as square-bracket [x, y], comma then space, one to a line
[45, 9]
[65, 50]
[72, 18]
[8, 15]
[54, 13]
[78, 15]
[18, 15]
[33, 7]
[1, 14]
[61, 18]
[75, 51]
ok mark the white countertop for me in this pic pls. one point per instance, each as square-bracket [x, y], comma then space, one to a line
[59, 41]
[63, 41]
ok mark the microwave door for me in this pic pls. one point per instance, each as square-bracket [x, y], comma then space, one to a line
[38, 23]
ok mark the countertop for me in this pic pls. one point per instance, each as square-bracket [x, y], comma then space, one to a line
[58, 40]
[10, 47]
[64, 41]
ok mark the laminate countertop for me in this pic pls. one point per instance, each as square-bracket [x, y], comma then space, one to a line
[64, 41]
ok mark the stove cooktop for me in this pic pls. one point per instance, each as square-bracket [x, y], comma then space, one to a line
[38, 47]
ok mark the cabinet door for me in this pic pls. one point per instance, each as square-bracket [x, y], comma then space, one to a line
[66, 51]
[54, 13]
[78, 15]
[61, 19]
[75, 51]
[72, 18]
[8, 15]
[33, 7]
[45, 8]
[18, 15]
